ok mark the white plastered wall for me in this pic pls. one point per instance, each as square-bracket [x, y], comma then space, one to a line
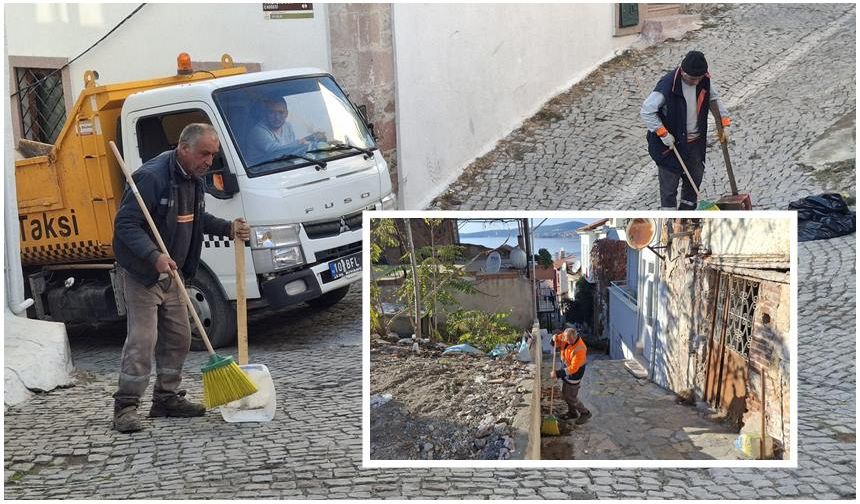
[468, 74]
[146, 46]
[747, 236]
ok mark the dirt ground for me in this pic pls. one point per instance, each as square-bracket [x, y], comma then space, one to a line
[429, 406]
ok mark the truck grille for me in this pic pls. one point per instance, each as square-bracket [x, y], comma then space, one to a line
[327, 229]
[334, 253]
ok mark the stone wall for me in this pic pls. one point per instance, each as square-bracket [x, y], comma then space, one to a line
[362, 60]
[690, 288]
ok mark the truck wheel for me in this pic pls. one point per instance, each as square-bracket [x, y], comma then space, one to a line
[216, 313]
[329, 298]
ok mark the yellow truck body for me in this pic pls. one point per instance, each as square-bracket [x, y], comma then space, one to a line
[67, 198]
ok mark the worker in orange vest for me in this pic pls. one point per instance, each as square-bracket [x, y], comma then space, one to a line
[572, 351]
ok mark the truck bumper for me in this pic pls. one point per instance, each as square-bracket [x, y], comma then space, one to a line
[300, 286]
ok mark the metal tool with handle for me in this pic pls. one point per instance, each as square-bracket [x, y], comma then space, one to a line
[718, 119]
[157, 235]
[734, 201]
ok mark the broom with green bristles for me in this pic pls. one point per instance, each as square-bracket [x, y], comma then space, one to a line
[223, 379]
[703, 203]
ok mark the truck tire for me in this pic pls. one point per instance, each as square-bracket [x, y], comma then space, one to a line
[329, 298]
[217, 314]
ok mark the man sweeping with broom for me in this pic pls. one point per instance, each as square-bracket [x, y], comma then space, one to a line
[171, 188]
[573, 352]
[676, 115]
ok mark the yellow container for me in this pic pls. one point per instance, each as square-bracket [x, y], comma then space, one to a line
[67, 199]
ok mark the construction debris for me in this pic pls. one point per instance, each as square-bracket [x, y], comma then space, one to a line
[443, 407]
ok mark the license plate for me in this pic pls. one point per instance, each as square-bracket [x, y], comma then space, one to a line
[345, 265]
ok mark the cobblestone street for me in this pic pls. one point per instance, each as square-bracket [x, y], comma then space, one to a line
[635, 420]
[785, 72]
[59, 445]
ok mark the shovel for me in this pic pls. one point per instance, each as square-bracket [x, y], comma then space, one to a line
[260, 406]
[733, 201]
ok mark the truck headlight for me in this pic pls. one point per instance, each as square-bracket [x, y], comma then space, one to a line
[387, 203]
[267, 237]
[287, 257]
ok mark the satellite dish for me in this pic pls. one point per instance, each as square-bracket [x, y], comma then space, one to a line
[518, 258]
[494, 263]
[641, 233]
[575, 265]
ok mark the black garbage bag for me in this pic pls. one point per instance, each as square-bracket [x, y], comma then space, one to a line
[823, 216]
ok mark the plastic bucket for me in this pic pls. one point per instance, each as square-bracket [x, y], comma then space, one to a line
[257, 407]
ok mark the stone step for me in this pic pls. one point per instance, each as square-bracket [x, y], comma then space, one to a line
[661, 28]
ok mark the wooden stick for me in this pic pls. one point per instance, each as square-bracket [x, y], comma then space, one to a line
[763, 426]
[718, 120]
[686, 171]
[552, 390]
[157, 235]
[241, 301]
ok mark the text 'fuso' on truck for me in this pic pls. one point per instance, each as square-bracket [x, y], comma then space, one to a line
[304, 202]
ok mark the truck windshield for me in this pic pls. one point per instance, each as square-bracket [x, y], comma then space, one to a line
[291, 123]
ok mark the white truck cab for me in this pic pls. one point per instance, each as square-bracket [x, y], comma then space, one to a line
[298, 161]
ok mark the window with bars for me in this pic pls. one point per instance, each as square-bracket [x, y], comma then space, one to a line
[41, 104]
[743, 297]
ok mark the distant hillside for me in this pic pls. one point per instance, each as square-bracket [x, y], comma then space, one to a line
[563, 230]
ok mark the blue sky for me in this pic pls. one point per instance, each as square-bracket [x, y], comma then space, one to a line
[474, 227]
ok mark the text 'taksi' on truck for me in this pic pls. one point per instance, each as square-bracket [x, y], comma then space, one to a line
[304, 204]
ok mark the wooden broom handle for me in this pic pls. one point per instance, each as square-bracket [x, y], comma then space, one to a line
[552, 390]
[684, 166]
[161, 245]
[241, 301]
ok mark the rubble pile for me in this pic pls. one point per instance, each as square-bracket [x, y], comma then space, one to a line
[425, 405]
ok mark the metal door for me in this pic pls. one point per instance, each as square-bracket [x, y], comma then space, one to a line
[727, 373]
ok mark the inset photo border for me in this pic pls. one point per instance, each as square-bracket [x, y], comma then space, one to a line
[627, 339]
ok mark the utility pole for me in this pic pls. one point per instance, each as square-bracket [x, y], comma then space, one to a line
[415, 279]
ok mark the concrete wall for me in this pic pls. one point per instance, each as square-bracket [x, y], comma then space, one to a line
[502, 292]
[154, 36]
[747, 236]
[499, 292]
[468, 74]
[362, 59]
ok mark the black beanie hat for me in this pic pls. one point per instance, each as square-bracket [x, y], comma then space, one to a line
[695, 64]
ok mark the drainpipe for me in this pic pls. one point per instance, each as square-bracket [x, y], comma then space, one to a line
[654, 298]
[12, 258]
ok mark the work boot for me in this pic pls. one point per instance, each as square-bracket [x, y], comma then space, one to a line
[175, 405]
[583, 418]
[570, 415]
[127, 419]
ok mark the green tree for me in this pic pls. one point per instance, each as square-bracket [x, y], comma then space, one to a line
[581, 309]
[383, 234]
[480, 329]
[544, 258]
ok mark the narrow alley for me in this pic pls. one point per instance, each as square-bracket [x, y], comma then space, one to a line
[784, 71]
[634, 419]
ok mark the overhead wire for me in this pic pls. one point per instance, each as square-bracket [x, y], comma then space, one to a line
[97, 42]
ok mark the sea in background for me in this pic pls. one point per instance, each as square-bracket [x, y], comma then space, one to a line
[570, 245]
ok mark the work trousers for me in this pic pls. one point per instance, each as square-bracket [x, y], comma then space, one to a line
[669, 180]
[157, 324]
[569, 392]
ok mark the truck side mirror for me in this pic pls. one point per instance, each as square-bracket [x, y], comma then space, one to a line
[219, 181]
[362, 109]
